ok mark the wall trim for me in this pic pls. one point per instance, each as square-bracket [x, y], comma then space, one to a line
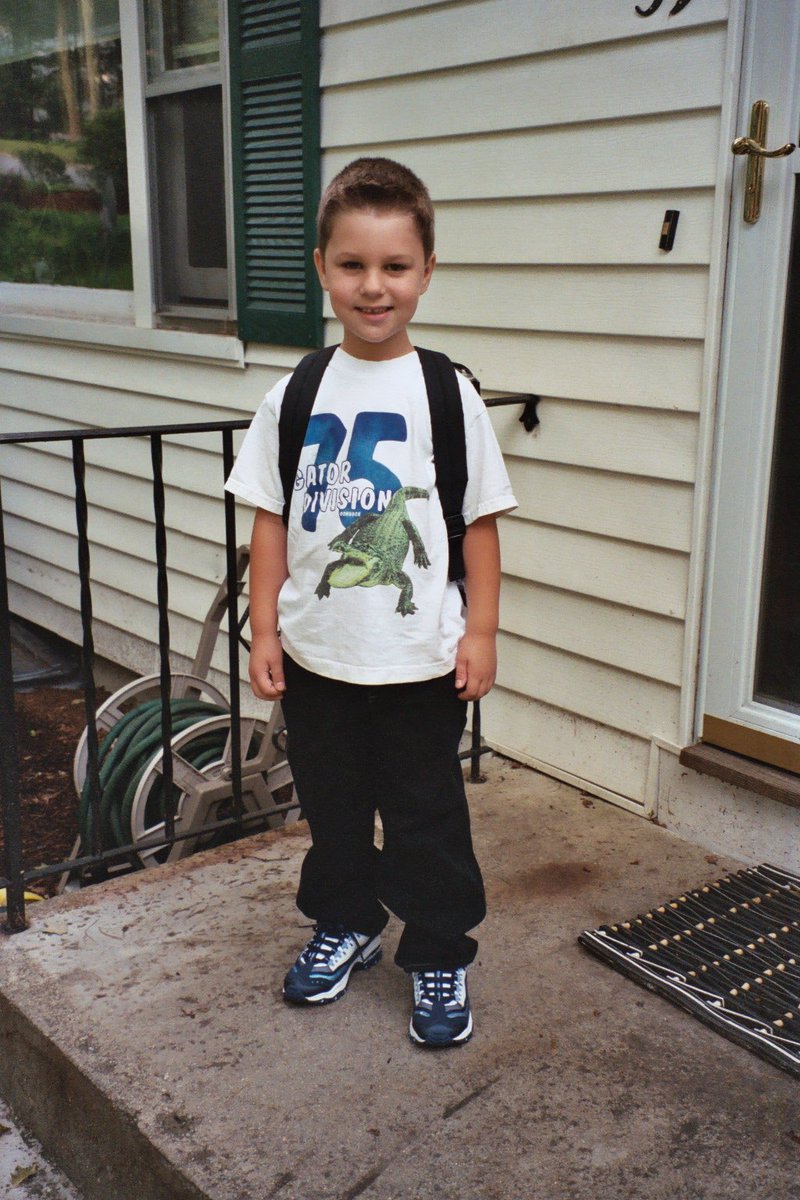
[704, 475]
[584, 785]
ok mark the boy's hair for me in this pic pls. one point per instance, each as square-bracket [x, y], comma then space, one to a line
[378, 183]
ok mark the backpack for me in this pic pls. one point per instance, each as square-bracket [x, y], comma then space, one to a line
[447, 426]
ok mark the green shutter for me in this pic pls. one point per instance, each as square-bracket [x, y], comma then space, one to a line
[274, 49]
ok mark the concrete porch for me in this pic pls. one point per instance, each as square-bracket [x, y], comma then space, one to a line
[145, 1042]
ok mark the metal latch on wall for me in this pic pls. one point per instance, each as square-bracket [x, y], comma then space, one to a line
[754, 147]
[529, 417]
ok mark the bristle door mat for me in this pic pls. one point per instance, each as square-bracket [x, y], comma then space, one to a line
[728, 953]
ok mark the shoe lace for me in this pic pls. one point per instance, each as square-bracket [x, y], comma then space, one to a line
[439, 986]
[323, 945]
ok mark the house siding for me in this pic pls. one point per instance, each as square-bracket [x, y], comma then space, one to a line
[553, 138]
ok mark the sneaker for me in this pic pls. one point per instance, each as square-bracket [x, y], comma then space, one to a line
[322, 971]
[441, 1015]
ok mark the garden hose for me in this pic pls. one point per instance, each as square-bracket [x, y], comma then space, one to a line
[126, 752]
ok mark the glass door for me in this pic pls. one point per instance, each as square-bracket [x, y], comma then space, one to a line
[777, 666]
[750, 698]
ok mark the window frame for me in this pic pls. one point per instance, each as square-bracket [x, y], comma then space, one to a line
[172, 83]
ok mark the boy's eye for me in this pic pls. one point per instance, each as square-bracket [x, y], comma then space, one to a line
[355, 264]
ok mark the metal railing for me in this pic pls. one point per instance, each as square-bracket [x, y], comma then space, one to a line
[97, 857]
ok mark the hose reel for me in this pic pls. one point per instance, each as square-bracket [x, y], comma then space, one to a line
[131, 759]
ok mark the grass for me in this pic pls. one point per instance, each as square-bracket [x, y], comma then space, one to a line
[70, 249]
[68, 151]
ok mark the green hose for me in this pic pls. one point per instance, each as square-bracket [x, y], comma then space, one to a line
[123, 756]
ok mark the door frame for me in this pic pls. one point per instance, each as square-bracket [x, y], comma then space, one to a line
[745, 414]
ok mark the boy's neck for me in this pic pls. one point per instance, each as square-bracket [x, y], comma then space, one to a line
[396, 347]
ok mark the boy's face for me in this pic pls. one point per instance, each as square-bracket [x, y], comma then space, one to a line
[374, 270]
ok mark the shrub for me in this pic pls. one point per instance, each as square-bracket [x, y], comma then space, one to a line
[15, 189]
[39, 245]
[103, 147]
[43, 166]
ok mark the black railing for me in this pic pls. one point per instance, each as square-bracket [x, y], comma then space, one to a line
[96, 857]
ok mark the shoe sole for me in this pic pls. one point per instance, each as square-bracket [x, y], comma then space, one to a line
[462, 1037]
[340, 987]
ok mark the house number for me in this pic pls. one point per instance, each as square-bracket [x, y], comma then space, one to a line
[656, 5]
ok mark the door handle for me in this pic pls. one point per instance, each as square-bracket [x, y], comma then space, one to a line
[756, 151]
[744, 145]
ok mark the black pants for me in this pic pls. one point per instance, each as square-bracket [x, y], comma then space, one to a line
[354, 749]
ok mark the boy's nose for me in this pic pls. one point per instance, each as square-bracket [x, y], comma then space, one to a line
[371, 283]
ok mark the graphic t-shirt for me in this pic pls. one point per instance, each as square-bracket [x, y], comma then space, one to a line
[367, 599]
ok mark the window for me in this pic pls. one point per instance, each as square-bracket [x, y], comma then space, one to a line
[221, 106]
[63, 174]
[187, 148]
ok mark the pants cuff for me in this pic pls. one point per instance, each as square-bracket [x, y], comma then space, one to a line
[419, 951]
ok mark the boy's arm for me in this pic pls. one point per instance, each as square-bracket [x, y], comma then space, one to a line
[476, 659]
[268, 571]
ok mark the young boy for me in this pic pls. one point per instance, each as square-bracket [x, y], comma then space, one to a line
[376, 656]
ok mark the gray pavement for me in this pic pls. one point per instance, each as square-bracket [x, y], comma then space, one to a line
[145, 1042]
[25, 1174]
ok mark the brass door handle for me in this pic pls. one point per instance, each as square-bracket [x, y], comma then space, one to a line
[744, 145]
[753, 146]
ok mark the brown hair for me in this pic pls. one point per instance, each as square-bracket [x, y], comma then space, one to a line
[378, 183]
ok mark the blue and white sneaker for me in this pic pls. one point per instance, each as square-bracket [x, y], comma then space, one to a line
[322, 971]
[441, 1015]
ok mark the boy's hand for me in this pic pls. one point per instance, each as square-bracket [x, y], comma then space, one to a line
[266, 667]
[476, 665]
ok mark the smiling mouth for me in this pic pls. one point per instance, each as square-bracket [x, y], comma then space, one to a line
[374, 312]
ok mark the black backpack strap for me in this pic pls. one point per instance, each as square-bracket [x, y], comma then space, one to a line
[449, 449]
[298, 401]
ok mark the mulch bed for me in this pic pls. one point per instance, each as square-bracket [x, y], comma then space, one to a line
[78, 200]
[49, 723]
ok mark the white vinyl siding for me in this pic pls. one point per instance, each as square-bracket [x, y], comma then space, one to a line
[613, 85]
[579, 230]
[553, 137]
[451, 35]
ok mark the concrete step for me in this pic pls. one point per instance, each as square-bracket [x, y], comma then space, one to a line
[144, 1041]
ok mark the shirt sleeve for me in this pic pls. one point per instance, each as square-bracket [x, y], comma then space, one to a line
[256, 476]
[488, 489]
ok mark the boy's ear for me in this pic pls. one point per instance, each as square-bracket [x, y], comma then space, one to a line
[427, 272]
[319, 263]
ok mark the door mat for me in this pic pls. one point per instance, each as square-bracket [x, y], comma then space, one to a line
[728, 953]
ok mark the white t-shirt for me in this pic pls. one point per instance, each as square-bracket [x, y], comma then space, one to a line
[367, 599]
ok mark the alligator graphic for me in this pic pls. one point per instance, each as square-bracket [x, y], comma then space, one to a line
[373, 549]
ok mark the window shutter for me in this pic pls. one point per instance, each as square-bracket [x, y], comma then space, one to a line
[274, 50]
